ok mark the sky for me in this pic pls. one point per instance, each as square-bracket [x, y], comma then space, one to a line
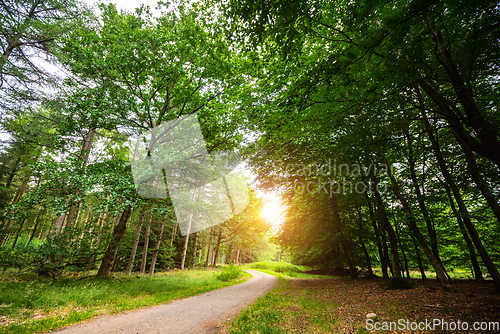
[129, 4]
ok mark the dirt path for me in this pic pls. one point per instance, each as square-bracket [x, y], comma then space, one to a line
[197, 314]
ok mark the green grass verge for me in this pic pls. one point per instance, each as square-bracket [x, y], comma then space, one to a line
[282, 269]
[277, 310]
[42, 305]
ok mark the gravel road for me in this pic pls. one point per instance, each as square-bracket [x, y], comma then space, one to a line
[197, 314]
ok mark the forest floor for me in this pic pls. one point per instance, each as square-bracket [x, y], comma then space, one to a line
[340, 305]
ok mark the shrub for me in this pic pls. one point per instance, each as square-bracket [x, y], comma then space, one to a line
[228, 274]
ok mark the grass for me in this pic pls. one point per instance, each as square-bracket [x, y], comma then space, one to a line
[282, 269]
[340, 305]
[454, 273]
[41, 305]
[278, 310]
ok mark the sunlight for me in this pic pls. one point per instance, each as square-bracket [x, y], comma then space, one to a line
[273, 211]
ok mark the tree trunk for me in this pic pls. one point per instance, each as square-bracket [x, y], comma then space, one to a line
[383, 260]
[478, 275]
[216, 256]
[18, 233]
[195, 247]
[157, 246]
[479, 180]
[420, 199]
[118, 232]
[362, 243]
[441, 276]
[146, 244]
[419, 259]
[461, 205]
[34, 228]
[405, 259]
[186, 242]
[339, 229]
[393, 242]
[133, 252]
[209, 246]
[84, 156]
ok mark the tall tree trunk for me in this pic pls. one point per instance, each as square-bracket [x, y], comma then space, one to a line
[195, 247]
[116, 258]
[419, 258]
[209, 246]
[18, 233]
[474, 170]
[393, 242]
[445, 282]
[118, 232]
[146, 243]
[157, 246]
[461, 204]
[133, 252]
[216, 256]
[405, 259]
[362, 243]
[420, 199]
[34, 228]
[343, 243]
[383, 259]
[478, 275]
[186, 242]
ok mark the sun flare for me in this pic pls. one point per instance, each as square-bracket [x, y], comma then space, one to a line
[273, 211]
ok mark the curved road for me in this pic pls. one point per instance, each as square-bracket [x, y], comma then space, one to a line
[197, 314]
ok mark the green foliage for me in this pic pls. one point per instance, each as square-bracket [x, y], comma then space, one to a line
[51, 256]
[229, 273]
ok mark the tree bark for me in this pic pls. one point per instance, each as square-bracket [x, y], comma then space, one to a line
[478, 275]
[479, 180]
[216, 256]
[441, 276]
[118, 232]
[157, 246]
[362, 243]
[186, 242]
[133, 252]
[343, 243]
[420, 199]
[383, 260]
[195, 247]
[146, 244]
[419, 258]
[461, 204]
[393, 242]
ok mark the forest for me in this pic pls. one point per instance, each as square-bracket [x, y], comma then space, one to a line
[376, 123]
